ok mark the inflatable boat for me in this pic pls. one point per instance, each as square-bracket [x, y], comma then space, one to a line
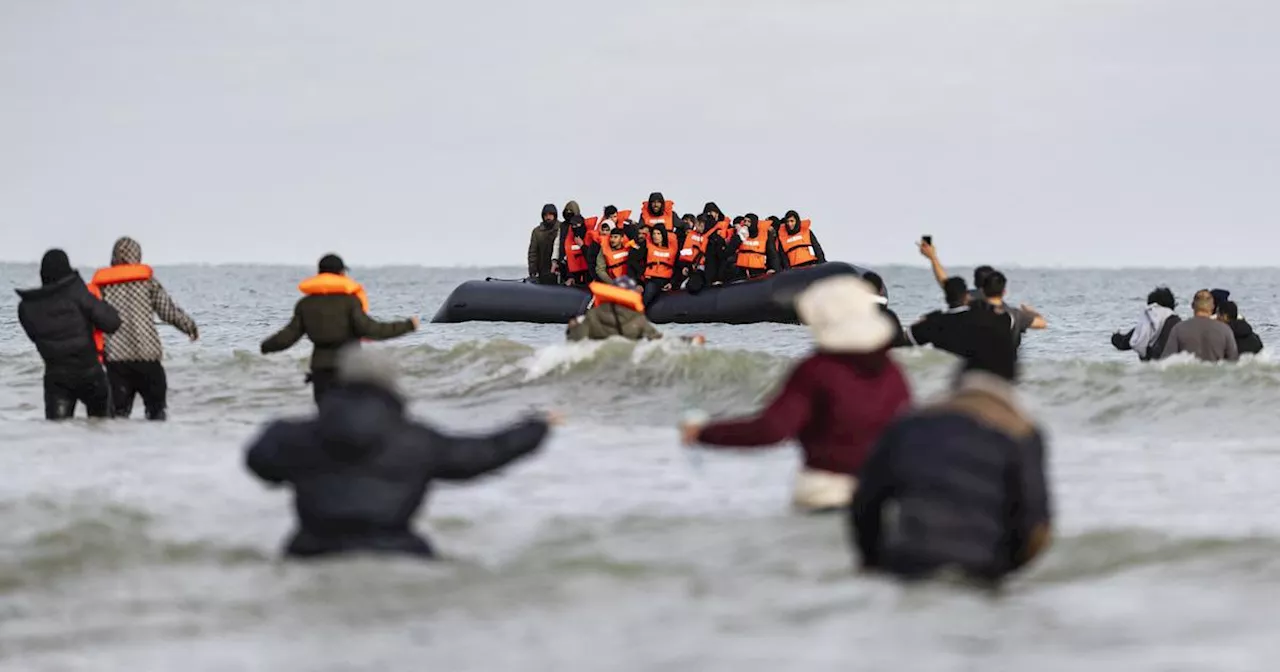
[768, 299]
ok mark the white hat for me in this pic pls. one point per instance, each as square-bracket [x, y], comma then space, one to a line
[844, 316]
[370, 367]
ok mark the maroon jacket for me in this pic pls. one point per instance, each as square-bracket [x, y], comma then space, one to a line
[836, 405]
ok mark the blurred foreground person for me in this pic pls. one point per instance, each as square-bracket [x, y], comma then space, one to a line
[333, 313]
[617, 310]
[360, 469]
[1149, 336]
[66, 323]
[835, 403]
[958, 487]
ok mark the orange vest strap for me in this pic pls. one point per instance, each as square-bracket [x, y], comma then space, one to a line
[602, 294]
[114, 275]
[333, 283]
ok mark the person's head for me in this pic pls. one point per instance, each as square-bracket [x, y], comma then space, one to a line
[1203, 303]
[126, 251]
[54, 266]
[610, 212]
[658, 234]
[606, 226]
[617, 238]
[571, 210]
[844, 315]
[626, 282]
[332, 263]
[705, 222]
[1220, 296]
[994, 285]
[956, 292]
[1228, 311]
[739, 221]
[712, 209]
[876, 282]
[548, 213]
[370, 368]
[657, 203]
[689, 219]
[980, 276]
[1161, 296]
[753, 221]
[578, 224]
[791, 219]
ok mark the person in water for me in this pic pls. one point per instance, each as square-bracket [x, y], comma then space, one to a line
[660, 254]
[65, 321]
[133, 353]
[882, 298]
[542, 246]
[798, 245]
[360, 469]
[1203, 336]
[835, 403]
[1248, 342]
[333, 313]
[753, 249]
[980, 273]
[958, 329]
[617, 309]
[994, 289]
[1150, 335]
[959, 486]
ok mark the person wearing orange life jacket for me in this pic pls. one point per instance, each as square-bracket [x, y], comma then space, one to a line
[575, 269]
[753, 250]
[133, 353]
[617, 309]
[691, 265]
[571, 210]
[720, 264]
[657, 211]
[332, 313]
[618, 258]
[660, 254]
[798, 245]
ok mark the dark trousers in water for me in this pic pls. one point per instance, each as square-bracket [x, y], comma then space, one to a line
[321, 380]
[652, 288]
[62, 389]
[133, 379]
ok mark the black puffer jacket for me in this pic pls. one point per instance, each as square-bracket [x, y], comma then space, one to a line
[1247, 340]
[60, 317]
[361, 469]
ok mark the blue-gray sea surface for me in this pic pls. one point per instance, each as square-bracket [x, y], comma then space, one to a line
[133, 546]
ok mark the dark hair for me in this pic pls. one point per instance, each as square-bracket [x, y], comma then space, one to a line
[875, 280]
[994, 284]
[610, 210]
[689, 216]
[739, 220]
[980, 276]
[1230, 310]
[956, 292]
[1162, 296]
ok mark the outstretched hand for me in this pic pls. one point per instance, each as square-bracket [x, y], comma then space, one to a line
[414, 321]
[926, 250]
[689, 432]
[553, 418]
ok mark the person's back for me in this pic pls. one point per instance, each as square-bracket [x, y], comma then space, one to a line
[360, 469]
[1203, 336]
[960, 485]
[618, 310]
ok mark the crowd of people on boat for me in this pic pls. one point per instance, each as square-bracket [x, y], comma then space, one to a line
[956, 485]
[663, 250]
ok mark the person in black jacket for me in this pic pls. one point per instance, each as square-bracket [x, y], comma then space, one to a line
[360, 469]
[60, 317]
[1248, 342]
[960, 486]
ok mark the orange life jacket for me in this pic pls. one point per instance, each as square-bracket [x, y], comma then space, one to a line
[798, 246]
[114, 275]
[752, 254]
[602, 294]
[666, 219]
[661, 261]
[591, 223]
[334, 283]
[616, 260]
[695, 246]
[575, 252]
[722, 229]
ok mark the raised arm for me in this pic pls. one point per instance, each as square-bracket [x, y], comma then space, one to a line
[931, 253]
[169, 312]
[782, 419]
[367, 327]
[285, 338]
[461, 458]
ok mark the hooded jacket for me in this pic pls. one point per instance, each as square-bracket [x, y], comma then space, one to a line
[59, 317]
[360, 469]
[610, 319]
[137, 339]
[959, 485]
[571, 210]
[771, 248]
[1149, 336]
[1247, 340]
[542, 248]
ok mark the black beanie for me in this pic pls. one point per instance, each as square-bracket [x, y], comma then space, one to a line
[54, 266]
[331, 263]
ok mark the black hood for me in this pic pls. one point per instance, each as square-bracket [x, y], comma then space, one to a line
[712, 209]
[549, 209]
[55, 287]
[655, 196]
[54, 267]
[355, 420]
[1241, 329]
[792, 213]
[753, 224]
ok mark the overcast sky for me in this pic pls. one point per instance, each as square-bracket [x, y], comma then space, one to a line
[1075, 132]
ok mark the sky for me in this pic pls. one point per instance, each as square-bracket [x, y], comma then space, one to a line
[1080, 133]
